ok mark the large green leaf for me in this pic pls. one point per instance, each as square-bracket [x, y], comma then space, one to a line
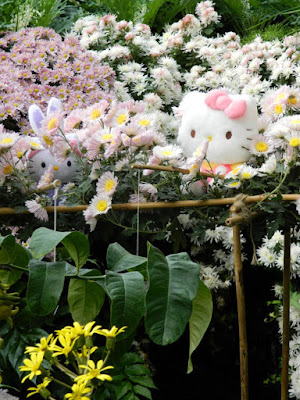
[44, 240]
[200, 319]
[173, 284]
[85, 300]
[118, 259]
[13, 253]
[45, 284]
[78, 247]
[127, 294]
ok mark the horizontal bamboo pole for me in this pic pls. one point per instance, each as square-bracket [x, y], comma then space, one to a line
[158, 204]
[174, 169]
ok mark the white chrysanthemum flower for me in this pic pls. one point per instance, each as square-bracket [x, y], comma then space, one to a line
[261, 145]
[7, 140]
[233, 185]
[278, 290]
[212, 235]
[265, 256]
[298, 205]
[100, 204]
[277, 238]
[269, 166]
[167, 153]
[247, 172]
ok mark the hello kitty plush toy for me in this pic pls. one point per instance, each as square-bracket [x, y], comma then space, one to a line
[228, 121]
[39, 161]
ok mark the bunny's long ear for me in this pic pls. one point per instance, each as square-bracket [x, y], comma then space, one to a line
[36, 117]
[54, 105]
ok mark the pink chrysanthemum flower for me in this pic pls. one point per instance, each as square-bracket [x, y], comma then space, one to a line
[37, 209]
[7, 140]
[53, 123]
[107, 184]
[46, 178]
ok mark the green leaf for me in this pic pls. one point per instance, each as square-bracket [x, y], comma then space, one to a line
[43, 241]
[142, 391]
[10, 277]
[173, 284]
[118, 259]
[136, 369]
[85, 300]
[78, 247]
[200, 319]
[127, 294]
[45, 284]
[122, 389]
[143, 381]
[13, 253]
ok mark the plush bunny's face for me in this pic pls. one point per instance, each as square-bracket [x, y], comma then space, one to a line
[229, 122]
[42, 159]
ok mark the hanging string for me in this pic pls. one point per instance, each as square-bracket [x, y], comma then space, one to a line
[56, 190]
[138, 217]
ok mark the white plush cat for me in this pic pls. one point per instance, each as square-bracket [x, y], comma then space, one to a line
[39, 161]
[228, 121]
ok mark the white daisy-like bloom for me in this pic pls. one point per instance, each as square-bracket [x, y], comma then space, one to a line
[277, 238]
[247, 172]
[107, 183]
[186, 221]
[121, 117]
[269, 166]
[37, 209]
[278, 291]
[7, 140]
[212, 235]
[219, 255]
[147, 188]
[293, 139]
[233, 185]
[279, 262]
[100, 204]
[210, 277]
[265, 256]
[261, 145]
[167, 153]
[34, 143]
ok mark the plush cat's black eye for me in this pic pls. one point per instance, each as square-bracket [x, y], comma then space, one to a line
[228, 135]
[43, 164]
[193, 133]
[69, 163]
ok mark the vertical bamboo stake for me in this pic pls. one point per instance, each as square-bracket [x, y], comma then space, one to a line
[286, 314]
[240, 296]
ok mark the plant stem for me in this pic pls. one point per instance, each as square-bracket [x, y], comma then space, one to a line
[61, 383]
[65, 370]
[275, 190]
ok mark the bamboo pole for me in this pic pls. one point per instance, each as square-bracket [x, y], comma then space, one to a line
[159, 204]
[239, 219]
[174, 169]
[286, 314]
[240, 297]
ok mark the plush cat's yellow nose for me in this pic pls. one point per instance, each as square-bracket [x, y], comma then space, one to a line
[210, 138]
[56, 167]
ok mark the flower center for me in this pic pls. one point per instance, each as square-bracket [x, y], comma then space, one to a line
[121, 119]
[8, 140]
[144, 122]
[101, 205]
[109, 185]
[278, 109]
[294, 142]
[261, 147]
[52, 124]
[95, 114]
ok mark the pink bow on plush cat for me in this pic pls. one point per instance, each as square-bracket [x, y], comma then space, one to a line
[219, 100]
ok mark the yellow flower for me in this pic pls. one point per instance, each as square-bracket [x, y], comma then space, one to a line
[40, 347]
[261, 147]
[33, 364]
[94, 372]
[40, 387]
[113, 332]
[87, 329]
[67, 343]
[78, 392]
[75, 331]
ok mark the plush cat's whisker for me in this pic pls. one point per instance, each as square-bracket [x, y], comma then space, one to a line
[249, 129]
[246, 148]
[248, 138]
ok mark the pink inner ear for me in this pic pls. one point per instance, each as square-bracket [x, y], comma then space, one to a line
[223, 102]
[212, 97]
[236, 109]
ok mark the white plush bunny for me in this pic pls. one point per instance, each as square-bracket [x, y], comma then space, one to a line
[41, 160]
[228, 121]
